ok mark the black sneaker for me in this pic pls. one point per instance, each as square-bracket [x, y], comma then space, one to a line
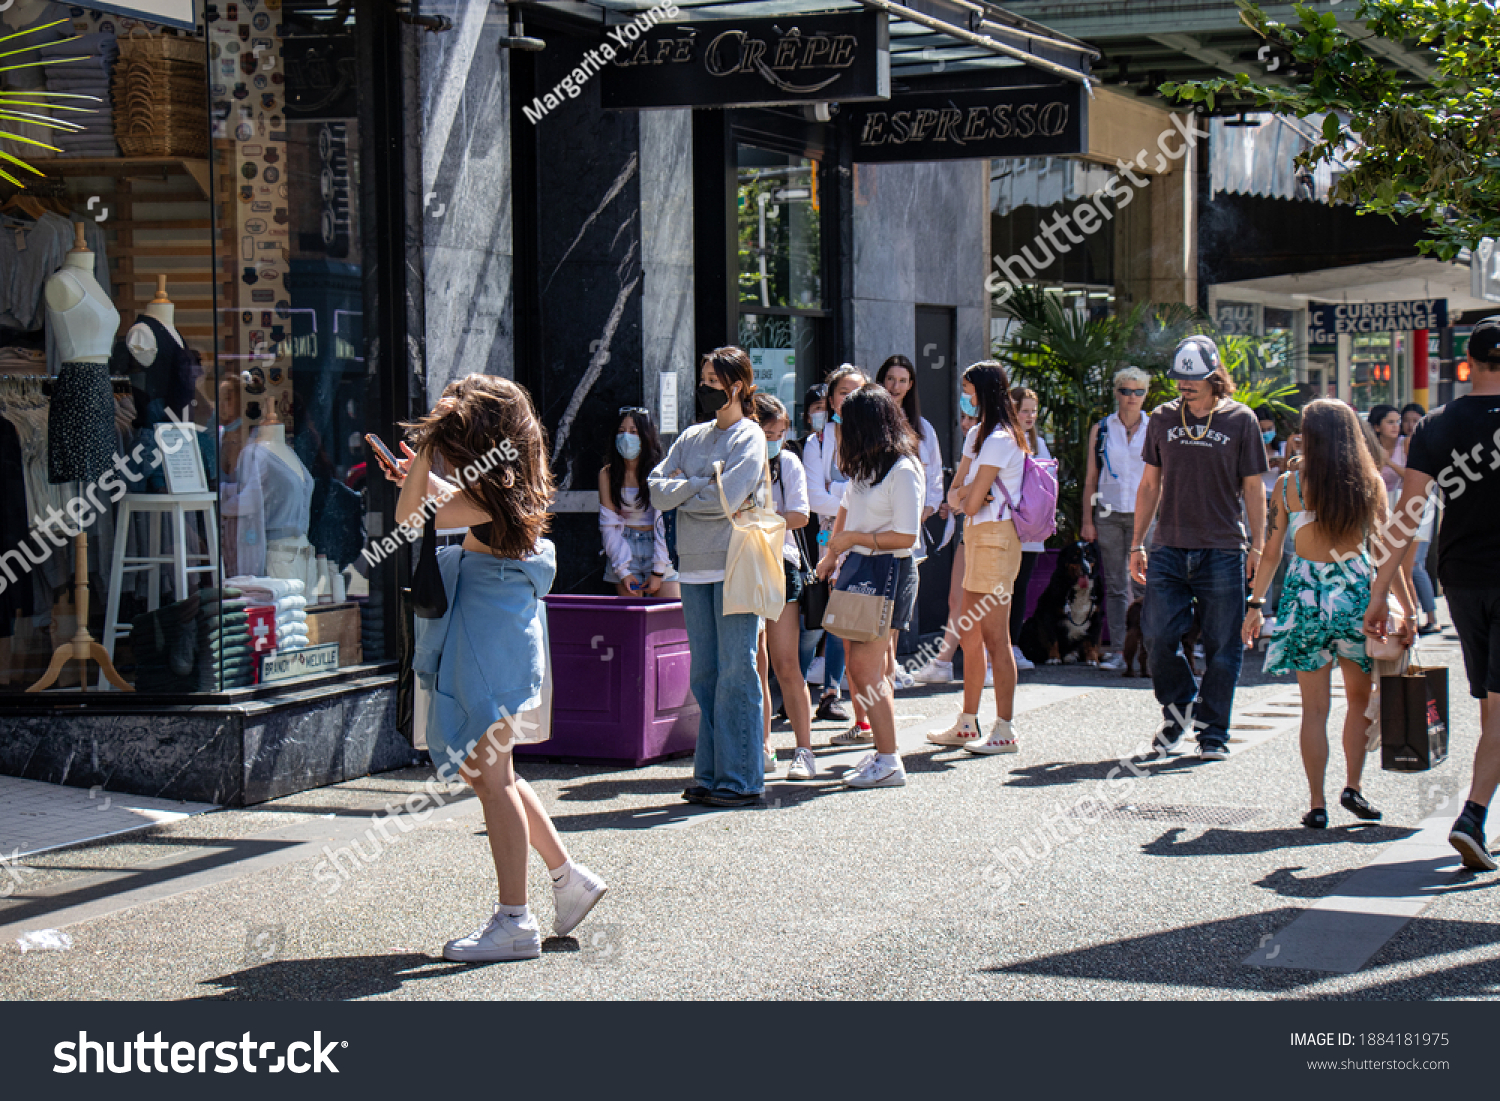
[1357, 805]
[733, 800]
[1467, 836]
[1212, 751]
[696, 794]
[1169, 741]
[1316, 819]
[831, 710]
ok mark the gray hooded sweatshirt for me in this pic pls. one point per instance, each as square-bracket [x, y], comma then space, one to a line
[684, 481]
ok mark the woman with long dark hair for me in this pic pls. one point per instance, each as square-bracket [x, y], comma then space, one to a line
[779, 636]
[1386, 420]
[899, 377]
[635, 538]
[720, 460]
[1334, 504]
[1028, 408]
[485, 662]
[994, 451]
[826, 482]
[880, 513]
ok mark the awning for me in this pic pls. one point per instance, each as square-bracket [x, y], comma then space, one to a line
[1384, 281]
[926, 36]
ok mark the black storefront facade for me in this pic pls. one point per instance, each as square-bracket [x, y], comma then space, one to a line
[589, 248]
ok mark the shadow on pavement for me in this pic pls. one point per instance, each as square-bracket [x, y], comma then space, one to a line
[334, 979]
[1219, 842]
[1211, 955]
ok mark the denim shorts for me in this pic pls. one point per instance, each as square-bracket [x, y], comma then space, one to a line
[793, 581]
[642, 544]
[906, 595]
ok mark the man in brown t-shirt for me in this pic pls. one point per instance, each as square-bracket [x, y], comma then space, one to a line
[1204, 457]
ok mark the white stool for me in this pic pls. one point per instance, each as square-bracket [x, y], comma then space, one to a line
[157, 507]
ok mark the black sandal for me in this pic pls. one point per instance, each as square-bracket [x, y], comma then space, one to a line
[1357, 805]
[1316, 819]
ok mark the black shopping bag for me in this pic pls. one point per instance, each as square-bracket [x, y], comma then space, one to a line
[1414, 719]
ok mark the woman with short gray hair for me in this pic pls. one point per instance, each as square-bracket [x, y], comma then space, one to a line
[1114, 474]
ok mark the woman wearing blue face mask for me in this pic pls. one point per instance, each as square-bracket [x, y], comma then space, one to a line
[635, 540]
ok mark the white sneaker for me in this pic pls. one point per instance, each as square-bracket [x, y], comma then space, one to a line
[875, 774]
[770, 759]
[575, 897]
[903, 679]
[934, 672]
[1002, 739]
[854, 736]
[1113, 662]
[502, 938]
[804, 766]
[957, 734]
[1023, 663]
[861, 764]
[814, 671]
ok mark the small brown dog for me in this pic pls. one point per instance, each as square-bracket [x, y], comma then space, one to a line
[1135, 641]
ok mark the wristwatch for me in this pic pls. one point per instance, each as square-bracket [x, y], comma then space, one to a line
[1257, 604]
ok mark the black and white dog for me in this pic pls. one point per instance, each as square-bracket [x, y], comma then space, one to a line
[1069, 618]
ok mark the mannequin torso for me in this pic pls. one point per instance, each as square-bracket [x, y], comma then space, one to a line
[142, 341]
[79, 313]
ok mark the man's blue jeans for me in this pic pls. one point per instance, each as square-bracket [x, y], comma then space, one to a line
[1175, 577]
[727, 688]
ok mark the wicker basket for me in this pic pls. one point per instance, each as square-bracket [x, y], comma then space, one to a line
[142, 45]
[161, 104]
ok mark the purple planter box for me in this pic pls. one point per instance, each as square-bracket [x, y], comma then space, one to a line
[621, 689]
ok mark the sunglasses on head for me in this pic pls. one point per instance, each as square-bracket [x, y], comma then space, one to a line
[1128, 392]
[632, 410]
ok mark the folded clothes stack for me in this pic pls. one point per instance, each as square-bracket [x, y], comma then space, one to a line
[90, 61]
[286, 596]
[225, 639]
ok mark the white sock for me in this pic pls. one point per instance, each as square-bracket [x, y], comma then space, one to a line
[887, 760]
[560, 874]
[520, 911]
[967, 721]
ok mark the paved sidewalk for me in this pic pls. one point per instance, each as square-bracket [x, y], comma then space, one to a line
[982, 878]
[37, 817]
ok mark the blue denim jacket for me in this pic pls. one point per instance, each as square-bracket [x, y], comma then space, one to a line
[487, 658]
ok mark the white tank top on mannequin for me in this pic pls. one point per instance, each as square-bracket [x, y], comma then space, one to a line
[85, 330]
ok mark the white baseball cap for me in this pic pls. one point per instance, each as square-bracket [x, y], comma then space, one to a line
[1196, 358]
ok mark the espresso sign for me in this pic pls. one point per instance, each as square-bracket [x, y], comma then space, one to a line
[955, 126]
[752, 63]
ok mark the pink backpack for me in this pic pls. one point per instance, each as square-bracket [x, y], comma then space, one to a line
[1035, 514]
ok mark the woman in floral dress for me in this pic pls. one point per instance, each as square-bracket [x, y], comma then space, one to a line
[1333, 504]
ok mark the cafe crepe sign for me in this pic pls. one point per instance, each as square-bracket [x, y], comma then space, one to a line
[756, 61]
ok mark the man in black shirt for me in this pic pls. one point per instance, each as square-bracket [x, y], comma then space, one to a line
[1459, 447]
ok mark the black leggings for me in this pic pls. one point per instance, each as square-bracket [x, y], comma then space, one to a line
[1018, 601]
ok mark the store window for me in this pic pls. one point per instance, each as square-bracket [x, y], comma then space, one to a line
[780, 271]
[182, 368]
[1375, 373]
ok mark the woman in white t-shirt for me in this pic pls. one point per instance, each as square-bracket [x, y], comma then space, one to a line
[880, 513]
[994, 451]
[779, 637]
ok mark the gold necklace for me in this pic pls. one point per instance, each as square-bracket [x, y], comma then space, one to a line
[1203, 428]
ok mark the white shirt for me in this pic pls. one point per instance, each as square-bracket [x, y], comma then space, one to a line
[892, 504]
[1121, 472]
[1000, 451]
[1041, 453]
[825, 484]
[790, 495]
[932, 464]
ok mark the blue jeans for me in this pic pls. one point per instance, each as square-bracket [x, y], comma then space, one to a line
[727, 688]
[1425, 594]
[833, 657]
[1175, 577]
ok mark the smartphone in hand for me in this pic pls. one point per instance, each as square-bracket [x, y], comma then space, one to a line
[383, 453]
